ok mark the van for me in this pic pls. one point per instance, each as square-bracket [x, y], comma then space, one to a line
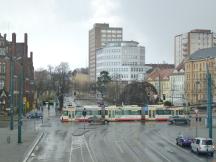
[202, 145]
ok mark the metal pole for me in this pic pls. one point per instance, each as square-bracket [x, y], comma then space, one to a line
[20, 106]
[196, 126]
[11, 93]
[209, 103]
[159, 88]
[84, 122]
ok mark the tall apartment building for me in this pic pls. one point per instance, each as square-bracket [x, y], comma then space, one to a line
[124, 60]
[99, 35]
[188, 43]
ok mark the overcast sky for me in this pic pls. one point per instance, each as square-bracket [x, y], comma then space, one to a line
[58, 29]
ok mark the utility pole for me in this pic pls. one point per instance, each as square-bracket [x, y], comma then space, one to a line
[209, 101]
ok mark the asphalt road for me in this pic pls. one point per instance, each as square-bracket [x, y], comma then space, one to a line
[116, 142]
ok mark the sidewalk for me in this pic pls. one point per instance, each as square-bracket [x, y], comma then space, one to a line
[10, 150]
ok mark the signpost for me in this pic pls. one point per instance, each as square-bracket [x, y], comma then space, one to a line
[84, 115]
[196, 111]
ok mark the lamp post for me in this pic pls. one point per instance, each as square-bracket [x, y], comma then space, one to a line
[11, 92]
[20, 104]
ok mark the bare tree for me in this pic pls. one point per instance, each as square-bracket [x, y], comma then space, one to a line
[61, 81]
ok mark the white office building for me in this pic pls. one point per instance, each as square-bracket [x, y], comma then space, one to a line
[177, 80]
[99, 35]
[124, 60]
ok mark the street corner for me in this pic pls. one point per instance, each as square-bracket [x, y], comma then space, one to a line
[79, 132]
[32, 146]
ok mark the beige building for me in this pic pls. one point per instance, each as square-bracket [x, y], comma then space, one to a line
[99, 35]
[188, 43]
[160, 79]
[195, 76]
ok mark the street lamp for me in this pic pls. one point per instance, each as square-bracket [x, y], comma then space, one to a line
[21, 76]
[11, 89]
[11, 92]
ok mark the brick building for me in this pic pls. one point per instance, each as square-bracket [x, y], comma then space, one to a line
[14, 60]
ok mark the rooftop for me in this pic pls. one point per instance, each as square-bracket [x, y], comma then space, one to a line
[163, 73]
[203, 54]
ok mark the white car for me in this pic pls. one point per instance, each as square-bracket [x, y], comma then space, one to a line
[202, 145]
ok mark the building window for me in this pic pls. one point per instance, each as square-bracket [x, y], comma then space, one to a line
[1, 84]
[3, 68]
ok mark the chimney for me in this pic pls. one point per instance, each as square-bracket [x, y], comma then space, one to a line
[31, 55]
[13, 37]
[26, 38]
[5, 36]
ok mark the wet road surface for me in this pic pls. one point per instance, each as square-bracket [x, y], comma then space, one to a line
[116, 142]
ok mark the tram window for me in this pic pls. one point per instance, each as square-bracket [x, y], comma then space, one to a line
[99, 112]
[126, 112]
[167, 112]
[163, 112]
[118, 112]
[78, 113]
[135, 112]
[65, 113]
[181, 112]
[88, 112]
[172, 113]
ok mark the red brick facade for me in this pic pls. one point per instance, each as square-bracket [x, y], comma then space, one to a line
[18, 52]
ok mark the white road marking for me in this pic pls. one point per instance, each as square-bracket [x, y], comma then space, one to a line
[81, 153]
[160, 153]
[118, 145]
[71, 150]
[89, 149]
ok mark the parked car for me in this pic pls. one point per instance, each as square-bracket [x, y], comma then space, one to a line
[184, 140]
[35, 115]
[97, 120]
[178, 120]
[202, 145]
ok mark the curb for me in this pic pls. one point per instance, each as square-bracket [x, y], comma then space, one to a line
[32, 146]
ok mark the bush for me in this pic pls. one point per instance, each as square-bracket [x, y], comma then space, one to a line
[167, 103]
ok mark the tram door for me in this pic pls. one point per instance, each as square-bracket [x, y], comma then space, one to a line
[151, 113]
[111, 113]
[177, 112]
[71, 114]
